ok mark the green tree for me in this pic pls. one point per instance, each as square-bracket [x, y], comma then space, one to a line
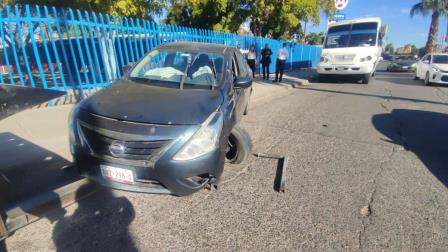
[389, 49]
[128, 8]
[437, 8]
[221, 15]
[278, 19]
[315, 38]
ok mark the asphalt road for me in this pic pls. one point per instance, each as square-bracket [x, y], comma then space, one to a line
[367, 172]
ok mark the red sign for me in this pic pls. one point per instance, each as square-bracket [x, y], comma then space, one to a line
[340, 4]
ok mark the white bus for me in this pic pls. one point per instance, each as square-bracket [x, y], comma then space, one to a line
[352, 48]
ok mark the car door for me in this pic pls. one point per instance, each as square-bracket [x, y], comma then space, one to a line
[418, 70]
[244, 71]
[426, 62]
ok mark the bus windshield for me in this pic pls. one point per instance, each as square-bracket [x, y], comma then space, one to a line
[355, 35]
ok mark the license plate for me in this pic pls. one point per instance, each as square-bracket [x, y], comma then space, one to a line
[405, 67]
[340, 68]
[117, 174]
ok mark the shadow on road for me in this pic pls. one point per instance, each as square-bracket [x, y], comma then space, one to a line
[387, 97]
[423, 133]
[100, 223]
[27, 169]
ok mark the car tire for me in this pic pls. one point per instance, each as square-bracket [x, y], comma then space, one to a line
[427, 81]
[416, 76]
[240, 146]
[366, 79]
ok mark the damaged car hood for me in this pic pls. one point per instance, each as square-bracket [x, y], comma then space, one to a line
[136, 102]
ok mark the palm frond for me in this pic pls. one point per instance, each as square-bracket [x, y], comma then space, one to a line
[419, 8]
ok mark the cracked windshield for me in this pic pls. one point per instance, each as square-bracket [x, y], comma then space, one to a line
[230, 125]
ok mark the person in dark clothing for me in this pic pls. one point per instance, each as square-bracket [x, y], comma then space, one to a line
[266, 61]
[282, 56]
[251, 58]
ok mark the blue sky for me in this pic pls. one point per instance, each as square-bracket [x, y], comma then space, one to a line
[402, 29]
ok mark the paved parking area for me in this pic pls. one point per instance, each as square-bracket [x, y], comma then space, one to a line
[367, 172]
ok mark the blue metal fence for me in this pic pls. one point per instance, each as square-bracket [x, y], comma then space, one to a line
[60, 49]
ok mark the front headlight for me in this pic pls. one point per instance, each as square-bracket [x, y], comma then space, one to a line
[323, 59]
[368, 58]
[435, 69]
[205, 140]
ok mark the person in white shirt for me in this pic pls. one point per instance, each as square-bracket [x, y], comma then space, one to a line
[282, 56]
[251, 58]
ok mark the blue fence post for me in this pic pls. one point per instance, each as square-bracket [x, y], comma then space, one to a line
[8, 66]
[123, 39]
[23, 46]
[78, 44]
[108, 51]
[86, 47]
[13, 46]
[120, 51]
[36, 52]
[55, 51]
[44, 43]
[72, 52]
[131, 49]
[112, 47]
[100, 47]
[63, 49]
[92, 43]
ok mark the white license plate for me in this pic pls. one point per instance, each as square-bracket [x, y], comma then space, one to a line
[405, 67]
[340, 68]
[117, 174]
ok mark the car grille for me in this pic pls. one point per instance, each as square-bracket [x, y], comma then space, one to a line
[344, 58]
[444, 78]
[133, 150]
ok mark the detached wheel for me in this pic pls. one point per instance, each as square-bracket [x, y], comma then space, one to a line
[366, 79]
[240, 146]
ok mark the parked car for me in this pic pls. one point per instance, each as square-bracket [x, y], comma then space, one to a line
[433, 68]
[402, 64]
[170, 125]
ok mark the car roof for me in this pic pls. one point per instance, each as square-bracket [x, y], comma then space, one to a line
[195, 46]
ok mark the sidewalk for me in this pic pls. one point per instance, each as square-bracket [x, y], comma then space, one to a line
[35, 163]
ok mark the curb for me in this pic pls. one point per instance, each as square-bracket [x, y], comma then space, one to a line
[34, 208]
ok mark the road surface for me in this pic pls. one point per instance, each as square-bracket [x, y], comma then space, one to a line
[368, 171]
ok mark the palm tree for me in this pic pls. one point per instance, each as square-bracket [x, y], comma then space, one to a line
[438, 8]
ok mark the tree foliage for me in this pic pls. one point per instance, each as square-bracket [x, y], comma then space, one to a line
[315, 38]
[389, 49]
[128, 8]
[266, 17]
[436, 8]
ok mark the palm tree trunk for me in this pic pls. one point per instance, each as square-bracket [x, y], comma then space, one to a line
[433, 30]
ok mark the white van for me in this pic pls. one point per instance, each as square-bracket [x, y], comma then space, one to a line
[352, 48]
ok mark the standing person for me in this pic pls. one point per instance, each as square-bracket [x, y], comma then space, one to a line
[282, 56]
[251, 58]
[266, 61]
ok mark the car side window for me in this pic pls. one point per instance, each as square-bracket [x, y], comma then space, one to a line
[424, 58]
[242, 65]
[235, 69]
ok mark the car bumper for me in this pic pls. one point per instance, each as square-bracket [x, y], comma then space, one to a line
[147, 156]
[439, 78]
[402, 69]
[345, 69]
[165, 176]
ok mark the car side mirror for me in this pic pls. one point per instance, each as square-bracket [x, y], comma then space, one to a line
[380, 59]
[243, 82]
[426, 61]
